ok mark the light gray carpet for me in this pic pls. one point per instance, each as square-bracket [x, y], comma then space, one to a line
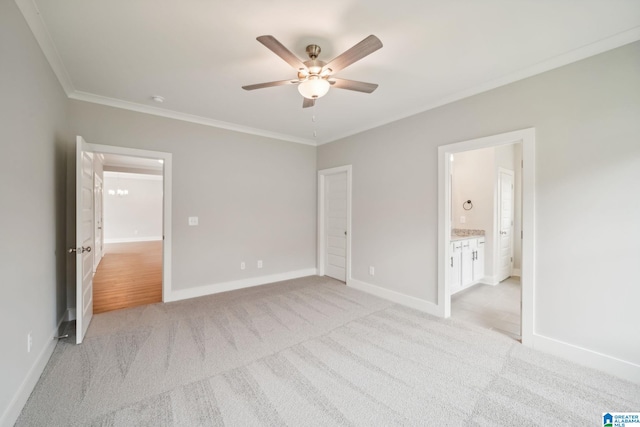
[309, 352]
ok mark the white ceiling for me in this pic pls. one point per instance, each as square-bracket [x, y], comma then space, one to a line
[198, 53]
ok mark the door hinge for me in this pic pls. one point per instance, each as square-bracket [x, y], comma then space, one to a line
[521, 234]
[511, 259]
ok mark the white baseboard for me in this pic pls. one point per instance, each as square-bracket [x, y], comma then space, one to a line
[490, 280]
[589, 358]
[516, 272]
[397, 297]
[11, 414]
[216, 288]
[133, 239]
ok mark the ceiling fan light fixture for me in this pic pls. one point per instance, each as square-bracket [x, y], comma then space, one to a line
[314, 87]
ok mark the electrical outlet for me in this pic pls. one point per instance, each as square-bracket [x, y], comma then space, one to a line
[193, 220]
[29, 342]
[260, 264]
[372, 271]
[463, 219]
[243, 265]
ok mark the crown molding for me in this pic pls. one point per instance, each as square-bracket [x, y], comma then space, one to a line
[38, 28]
[558, 61]
[141, 108]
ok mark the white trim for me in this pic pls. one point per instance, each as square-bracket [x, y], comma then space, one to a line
[516, 272]
[191, 118]
[397, 297]
[216, 288]
[166, 203]
[620, 368]
[322, 174]
[12, 412]
[133, 239]
[133, 175]
[527, 138]
[490, 280]
[558, 61]
[41, 33]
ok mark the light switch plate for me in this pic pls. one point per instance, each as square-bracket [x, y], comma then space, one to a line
[193, 220]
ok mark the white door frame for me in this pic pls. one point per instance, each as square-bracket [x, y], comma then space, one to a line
[527, 138]
[322, 174]
[496, 221]
[166, 202]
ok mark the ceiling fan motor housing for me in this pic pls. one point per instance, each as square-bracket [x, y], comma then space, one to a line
[313, 50]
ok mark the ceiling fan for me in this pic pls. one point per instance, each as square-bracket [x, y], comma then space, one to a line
[315, 77]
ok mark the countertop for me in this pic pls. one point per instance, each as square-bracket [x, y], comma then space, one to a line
[465, 234]
[456, 237]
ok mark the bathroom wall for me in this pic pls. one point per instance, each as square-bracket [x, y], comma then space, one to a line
[474, 178]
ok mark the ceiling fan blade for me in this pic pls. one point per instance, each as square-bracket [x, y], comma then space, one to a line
[306, 103]
[278, 48]
[353, 85]
[270, 84]
[356, 53]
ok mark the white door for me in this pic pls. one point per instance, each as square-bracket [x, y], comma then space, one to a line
[335, 215]
[84, 238]
[505, 221]
[98, 212]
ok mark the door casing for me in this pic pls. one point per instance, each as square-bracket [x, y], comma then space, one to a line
[527, 138]
[166, 206]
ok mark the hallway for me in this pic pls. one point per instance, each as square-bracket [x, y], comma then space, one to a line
[129, 275]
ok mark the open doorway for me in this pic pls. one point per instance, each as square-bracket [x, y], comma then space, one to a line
[129, 265]
[486, 247]
[89, 163]
[526, 138]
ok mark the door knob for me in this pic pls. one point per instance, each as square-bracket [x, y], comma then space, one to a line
[82, 250]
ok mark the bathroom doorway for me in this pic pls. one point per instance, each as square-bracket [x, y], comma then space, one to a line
[486, 258]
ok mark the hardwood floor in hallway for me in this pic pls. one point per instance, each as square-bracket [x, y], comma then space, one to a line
[129, 275]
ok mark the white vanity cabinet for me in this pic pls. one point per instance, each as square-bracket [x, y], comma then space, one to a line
[478, 259]
[466, 263]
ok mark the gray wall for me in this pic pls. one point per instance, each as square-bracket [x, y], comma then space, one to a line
[32, 193]
[587, 124]
[255, 197]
